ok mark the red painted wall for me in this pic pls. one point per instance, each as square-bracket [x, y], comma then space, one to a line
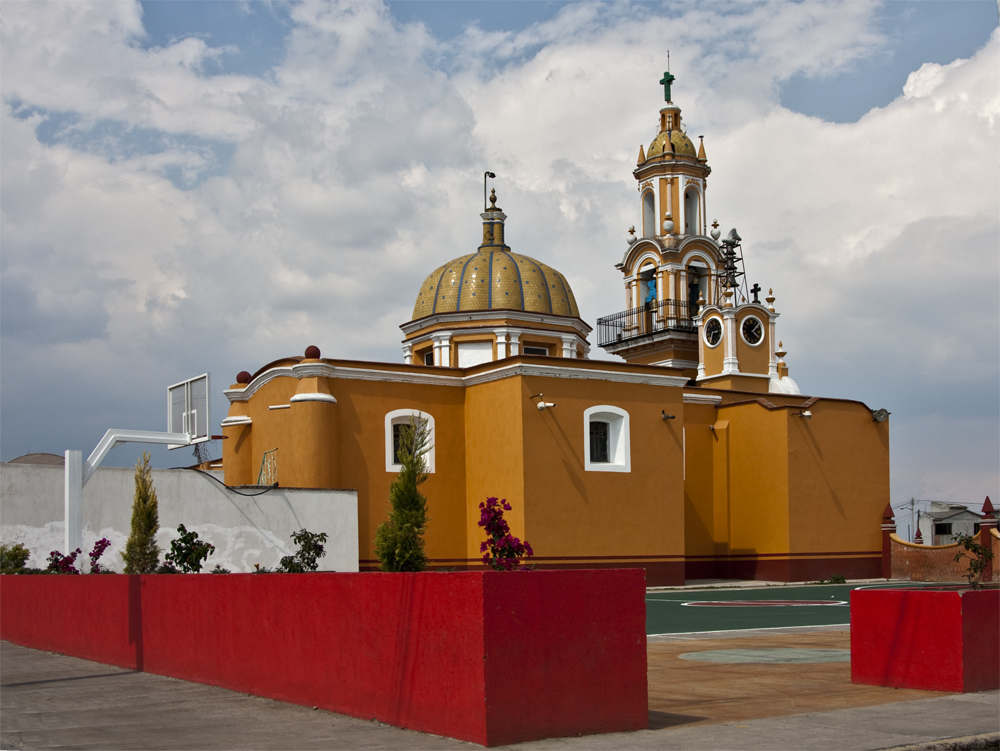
[487, 657]
[929, 639]
[527, 658]
[83, 616]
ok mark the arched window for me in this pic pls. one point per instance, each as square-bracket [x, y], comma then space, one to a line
[647, 285]
[606, 440]
[698, 280]
[692, 218]
[649, 215]
[394, 422]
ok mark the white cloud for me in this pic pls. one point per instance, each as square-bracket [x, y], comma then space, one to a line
[356, 170]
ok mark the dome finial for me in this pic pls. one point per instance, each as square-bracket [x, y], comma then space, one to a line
[493, 200]
[486, 175]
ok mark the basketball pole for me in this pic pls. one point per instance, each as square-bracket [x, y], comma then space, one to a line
[77, 473]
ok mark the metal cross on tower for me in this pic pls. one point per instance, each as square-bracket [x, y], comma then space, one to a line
[665, 82]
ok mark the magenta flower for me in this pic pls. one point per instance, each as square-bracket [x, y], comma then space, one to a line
[503, 551]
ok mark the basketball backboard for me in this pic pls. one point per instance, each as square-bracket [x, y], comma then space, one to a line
[188, 410]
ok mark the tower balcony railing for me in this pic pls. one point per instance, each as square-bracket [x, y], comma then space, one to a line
[649, 318]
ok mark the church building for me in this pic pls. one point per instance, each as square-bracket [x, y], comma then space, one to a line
[693, 456]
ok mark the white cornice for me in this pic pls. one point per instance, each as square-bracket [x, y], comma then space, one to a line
[244, 394]
[313, 397]
[673, 362]
[733, 374]
[430, 379]
[237, 420]
[585, 374]
[713, 399]
[325, 370]
[486, 315]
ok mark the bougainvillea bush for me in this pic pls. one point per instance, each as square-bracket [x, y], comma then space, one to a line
[502, 550]
[95, 556]
[63, 564]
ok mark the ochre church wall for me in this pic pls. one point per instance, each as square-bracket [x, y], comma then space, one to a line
[578, 516]
[838, 487]
[363, 407]
[758, 481]
[745, 489]
[494, 455]
[699, 506]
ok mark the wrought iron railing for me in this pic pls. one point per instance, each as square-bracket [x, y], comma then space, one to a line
[268, 474]
[648, 319]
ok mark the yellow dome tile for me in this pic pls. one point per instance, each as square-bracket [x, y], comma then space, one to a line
[495, 279]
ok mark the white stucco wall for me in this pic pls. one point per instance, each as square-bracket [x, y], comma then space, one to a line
[244, 530]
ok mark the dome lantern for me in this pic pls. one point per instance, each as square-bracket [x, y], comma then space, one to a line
[512, 302]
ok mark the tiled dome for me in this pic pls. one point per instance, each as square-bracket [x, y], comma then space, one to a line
[681, 143]
[495, 279]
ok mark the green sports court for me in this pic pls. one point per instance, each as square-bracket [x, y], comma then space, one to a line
[693, 610]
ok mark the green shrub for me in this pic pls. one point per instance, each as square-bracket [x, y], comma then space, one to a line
[187, 552]
[308, 555]
[978, 555]
[399, 541]
[13, 557]
[141, 554]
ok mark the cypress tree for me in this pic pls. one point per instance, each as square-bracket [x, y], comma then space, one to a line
[141, 554]
[399, 541]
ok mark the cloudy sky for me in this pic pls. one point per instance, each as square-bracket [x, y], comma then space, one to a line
[208, 186]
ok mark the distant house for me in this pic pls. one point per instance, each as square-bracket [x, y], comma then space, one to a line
[945, 521]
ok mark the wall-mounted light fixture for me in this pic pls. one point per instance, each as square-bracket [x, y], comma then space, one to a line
[880, 415]
[542, 406]
[665, 416]
[804, 414]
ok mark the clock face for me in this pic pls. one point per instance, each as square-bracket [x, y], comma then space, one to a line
[753, 332]
[713, 331]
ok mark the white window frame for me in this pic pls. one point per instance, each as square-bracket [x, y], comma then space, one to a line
[402, 417]
[619, 448]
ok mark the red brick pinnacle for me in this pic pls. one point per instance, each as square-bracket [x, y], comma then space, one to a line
[988, 508]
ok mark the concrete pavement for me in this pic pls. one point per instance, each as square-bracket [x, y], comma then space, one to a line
[52, 701]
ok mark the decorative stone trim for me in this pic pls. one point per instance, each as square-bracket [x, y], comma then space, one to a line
[314, 397]
[712, 399]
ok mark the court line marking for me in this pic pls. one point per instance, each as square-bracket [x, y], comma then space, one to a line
[760, 603]
[829, 626]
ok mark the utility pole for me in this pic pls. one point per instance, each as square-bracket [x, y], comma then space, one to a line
[912, 505]
[913, 521]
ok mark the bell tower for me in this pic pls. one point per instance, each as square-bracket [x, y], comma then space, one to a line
[671, 262]
[687, 306]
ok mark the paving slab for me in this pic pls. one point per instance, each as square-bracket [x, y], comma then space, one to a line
[50, 701]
